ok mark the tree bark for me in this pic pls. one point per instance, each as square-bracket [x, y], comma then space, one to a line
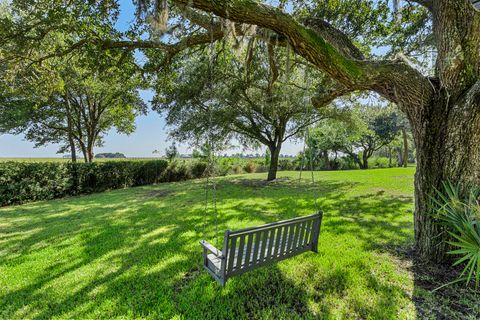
[389, 157]
[71, 142]
[90, 145]
[73, 150]
[405, 148]
[399, 152]
[274, 156]
[356, 158]
[326, 160]
[90, 154]
[364, 160]
[84, 150]
[446, 140]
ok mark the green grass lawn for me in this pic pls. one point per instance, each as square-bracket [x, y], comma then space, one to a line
[134, 253]
[79, 159]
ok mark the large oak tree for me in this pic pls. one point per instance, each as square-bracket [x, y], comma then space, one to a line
[443, 108]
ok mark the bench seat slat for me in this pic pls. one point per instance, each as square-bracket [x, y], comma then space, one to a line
[239, 256]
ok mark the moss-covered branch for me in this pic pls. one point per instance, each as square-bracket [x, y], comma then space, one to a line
[391, 79]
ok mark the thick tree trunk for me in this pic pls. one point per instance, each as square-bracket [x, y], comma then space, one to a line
[85, 155]
[326, 160]
[364, 160]
[71, 142]
[399, 152]
[84, 150]
[356, 158]
[405, 148]
[274, 156]
[90, 155]
[73, 150]
[446, 139]
[389, 157]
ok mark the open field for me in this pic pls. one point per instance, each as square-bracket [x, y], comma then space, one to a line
[134, 253]
[68, 159]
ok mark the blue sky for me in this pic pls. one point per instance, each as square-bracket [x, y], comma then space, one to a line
[150, 134]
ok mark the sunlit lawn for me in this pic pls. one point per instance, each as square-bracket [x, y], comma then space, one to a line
[134, 253]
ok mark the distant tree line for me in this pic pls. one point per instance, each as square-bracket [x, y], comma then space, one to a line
[116, 155]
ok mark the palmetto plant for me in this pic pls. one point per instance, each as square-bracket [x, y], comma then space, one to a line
[460, 212]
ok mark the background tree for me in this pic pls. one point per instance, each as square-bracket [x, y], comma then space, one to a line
[360, 134]
[403, 151]
[171, 152]
[379, 128]
[255, 95]
[330, 139]
[84, 104]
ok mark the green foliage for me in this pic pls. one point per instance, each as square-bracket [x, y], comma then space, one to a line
[72, 100]
[116, 155]
[461, 214]
[177, 171]
[30, 181]
[359, 134]
[287, 164]
[199, 169]
[240, 92]
[250, 167]
[381, 162]
[23, 181]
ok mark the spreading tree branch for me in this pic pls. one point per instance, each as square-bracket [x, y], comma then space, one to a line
[394, 80]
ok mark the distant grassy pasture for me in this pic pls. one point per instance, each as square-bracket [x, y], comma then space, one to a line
[68, 159]
[134, 253]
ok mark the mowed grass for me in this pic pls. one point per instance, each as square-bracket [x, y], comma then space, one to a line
[79, 159]
[134, 253]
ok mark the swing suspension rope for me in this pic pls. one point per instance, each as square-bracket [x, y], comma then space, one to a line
[231, 261]
[306, 139]
[211, 161]
[211, 144]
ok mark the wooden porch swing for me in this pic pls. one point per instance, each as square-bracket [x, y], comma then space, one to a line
[250, 248]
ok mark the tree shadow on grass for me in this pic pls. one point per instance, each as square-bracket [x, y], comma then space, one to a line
[378, 220]
[133, 252]
[264, 293]
[432, 297]
[269, 293]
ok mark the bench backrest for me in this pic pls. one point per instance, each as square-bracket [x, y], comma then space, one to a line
[249, 248]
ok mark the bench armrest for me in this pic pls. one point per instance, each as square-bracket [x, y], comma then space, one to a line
[208, 246]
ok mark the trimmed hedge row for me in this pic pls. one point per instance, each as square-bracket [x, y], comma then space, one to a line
[21, 182]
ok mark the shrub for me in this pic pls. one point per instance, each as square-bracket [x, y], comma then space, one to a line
[176, 171]
[347, 163]
[149, 172]
[23, 181]
[286, 164]
[262, 167]
[236, 168]
[198, 169]
[250, 167]
[30, 181]
[462, 217]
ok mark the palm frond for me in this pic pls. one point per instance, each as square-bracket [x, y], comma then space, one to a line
[461, 215]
